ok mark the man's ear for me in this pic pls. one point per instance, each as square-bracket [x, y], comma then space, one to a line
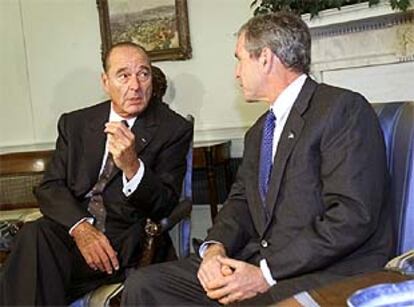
[266, 59]
[105, 81]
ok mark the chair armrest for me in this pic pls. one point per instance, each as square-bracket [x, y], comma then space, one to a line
[153, 230]
[181, 211]
[403, 264]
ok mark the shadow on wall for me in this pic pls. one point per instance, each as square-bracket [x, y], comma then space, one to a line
[78, 89]
[249, 112]
[185, 94]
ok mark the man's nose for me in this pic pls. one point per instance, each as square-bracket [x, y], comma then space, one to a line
[237, 71]
[134, 83]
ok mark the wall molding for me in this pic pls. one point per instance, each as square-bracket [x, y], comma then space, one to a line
[360, 36]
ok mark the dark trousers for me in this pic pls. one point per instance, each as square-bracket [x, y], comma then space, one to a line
[176, 284]
[45, 267]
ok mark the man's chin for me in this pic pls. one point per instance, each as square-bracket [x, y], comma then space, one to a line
[136, 108]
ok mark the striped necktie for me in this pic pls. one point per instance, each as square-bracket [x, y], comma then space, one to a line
[96, 205]
[266, 148]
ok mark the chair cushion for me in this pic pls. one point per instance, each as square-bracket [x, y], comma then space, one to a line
[397, 123]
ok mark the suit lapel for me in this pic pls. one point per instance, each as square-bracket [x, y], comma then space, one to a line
[94, 144]
[145, 127]
[288, 139]
[256, 206]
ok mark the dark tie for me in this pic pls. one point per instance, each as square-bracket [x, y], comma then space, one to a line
[96, 205]
[265, 166]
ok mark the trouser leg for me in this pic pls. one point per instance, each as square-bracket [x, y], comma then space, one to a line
[38, 267]
[168, 284]
[46, 268]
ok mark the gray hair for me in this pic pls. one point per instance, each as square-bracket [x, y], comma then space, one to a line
[107, 55]
[287, 35]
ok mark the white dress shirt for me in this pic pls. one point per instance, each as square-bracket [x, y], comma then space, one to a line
[281, 107]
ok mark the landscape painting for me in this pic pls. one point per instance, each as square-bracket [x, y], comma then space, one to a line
[160, 26]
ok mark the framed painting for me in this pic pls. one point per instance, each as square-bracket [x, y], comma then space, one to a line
[160, 26]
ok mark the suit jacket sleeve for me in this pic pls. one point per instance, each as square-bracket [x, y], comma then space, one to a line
[233, 227]
[352, 180]
[159, 189]
[53, 194]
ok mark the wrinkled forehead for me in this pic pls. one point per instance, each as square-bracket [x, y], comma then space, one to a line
[128, 56]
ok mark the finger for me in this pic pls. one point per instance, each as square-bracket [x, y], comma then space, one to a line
[114, 261]
[226, 270]
[116, 147]
[205, 270]
[120, 140]
[105, 252]
[218, 294]
[219, 282]
[88, 260]
[232, 263]
[201, 280]
[118, 129]
[111, 253]
[231, 298]
[206, 277]
[98, 256]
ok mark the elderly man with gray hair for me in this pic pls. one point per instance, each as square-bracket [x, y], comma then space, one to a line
[307, 206]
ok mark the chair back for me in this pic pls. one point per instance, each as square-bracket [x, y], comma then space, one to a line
[184, 227]
[181, 232]
[19, 174]
[397, 123]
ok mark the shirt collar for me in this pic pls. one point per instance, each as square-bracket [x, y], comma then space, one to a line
[115, 117]
[284, 102]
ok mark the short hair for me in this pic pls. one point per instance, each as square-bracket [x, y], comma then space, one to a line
[159, 82]
[106, 56]
[286, 34]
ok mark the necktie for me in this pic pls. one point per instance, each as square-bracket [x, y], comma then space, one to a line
[265, 166]
[96, 205]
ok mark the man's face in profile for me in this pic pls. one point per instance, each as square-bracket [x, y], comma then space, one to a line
[248, 72]
[128, 80]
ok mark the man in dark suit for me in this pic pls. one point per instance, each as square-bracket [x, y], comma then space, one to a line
[307, 204]
[67, 253]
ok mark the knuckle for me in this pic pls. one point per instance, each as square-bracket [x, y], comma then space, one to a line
[105, 261]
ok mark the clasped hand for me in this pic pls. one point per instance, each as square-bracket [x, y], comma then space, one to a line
[228, 280]
[121, 144]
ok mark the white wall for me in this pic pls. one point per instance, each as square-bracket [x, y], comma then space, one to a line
[367, 49]
[51, 65]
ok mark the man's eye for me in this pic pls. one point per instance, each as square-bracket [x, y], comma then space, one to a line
[122, 77]
[143, 75]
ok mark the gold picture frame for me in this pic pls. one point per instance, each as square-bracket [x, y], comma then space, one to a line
[161, 26]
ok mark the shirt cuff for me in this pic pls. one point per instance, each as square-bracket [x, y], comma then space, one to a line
[90, 220]
[130, 186]
[266, 273]
[203, 247]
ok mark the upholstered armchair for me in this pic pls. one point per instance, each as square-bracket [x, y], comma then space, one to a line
[397, 123]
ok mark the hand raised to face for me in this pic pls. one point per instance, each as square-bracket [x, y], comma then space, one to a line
[121, 144]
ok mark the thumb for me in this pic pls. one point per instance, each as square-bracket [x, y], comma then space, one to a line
[226, 270]
[234, 264]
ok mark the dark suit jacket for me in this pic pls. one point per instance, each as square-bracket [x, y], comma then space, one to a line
[162, 141]
[324, 209]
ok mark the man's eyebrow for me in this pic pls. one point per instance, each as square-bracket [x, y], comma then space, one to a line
[142, 67]
[125, 69]
[121, 70]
